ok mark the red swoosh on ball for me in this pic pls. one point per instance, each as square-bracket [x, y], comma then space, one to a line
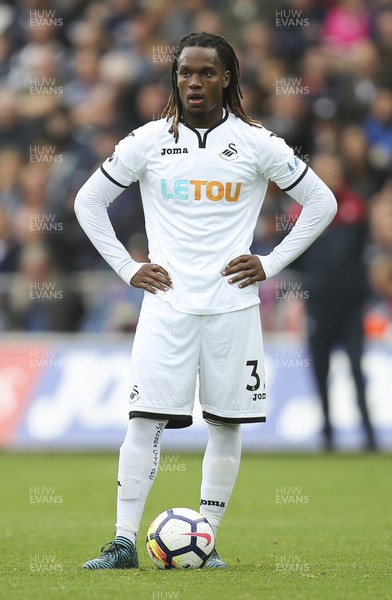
[206, 536]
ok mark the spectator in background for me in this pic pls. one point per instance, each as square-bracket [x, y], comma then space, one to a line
[334, 275]
[346, 23]
[150, 102]
[41, 298]
[355, 85]
[360, 175]
[381, 218]
[294, 40]
[257, 42]
[11, 161]
[288, 117]
[383, 40]
[70, 160]
[208, 20]
[378, 130]
[85, 75]
[378, 322]
[9, 248]
[12, 128]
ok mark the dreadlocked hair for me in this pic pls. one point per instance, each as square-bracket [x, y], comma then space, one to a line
[232, 95]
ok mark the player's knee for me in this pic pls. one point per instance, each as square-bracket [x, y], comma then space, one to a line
[222, 429]
[143, 431]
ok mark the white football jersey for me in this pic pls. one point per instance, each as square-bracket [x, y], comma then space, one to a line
[201, 198]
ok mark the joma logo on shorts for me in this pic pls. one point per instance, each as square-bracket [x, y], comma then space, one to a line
[198, 189]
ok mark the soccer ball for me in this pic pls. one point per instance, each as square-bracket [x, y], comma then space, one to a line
[180, 538]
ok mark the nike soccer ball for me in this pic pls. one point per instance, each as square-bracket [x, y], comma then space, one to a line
[180, 538]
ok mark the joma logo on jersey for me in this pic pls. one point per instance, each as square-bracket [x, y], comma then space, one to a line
[174, 151]
[183, 189]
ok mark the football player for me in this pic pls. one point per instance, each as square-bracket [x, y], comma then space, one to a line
[203, 171]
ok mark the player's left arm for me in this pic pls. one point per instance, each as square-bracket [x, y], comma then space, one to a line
[319, 208]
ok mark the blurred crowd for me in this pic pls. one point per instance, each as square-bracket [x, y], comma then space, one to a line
[77, 75]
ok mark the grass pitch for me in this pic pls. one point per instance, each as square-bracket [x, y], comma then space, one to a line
[298, 527]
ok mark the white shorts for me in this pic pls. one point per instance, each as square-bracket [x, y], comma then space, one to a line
[171, 348]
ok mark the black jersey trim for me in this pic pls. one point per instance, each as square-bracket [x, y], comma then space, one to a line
[203, 138]
[210, 417]
[113, 180]
[297, 181]
[174, 421]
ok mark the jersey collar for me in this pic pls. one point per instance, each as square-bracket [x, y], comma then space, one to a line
[203, 137]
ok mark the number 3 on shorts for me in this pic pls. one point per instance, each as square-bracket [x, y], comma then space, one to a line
[254, 373]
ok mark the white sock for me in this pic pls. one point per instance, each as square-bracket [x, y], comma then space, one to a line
[220, 468]
[137, 468]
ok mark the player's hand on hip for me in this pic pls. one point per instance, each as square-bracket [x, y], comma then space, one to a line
[152, 278]
[247, 269]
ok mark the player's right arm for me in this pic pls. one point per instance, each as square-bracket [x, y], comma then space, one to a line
[91, 204]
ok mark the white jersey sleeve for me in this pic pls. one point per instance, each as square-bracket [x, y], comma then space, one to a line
[278, 163]
[91, 205]
[319, 208]
[122, 168]
[128, 160]
[294, 177]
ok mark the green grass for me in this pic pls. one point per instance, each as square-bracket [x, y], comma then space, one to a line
[330, 540]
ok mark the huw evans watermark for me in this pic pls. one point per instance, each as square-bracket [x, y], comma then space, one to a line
[287, 18]
[285, 222]
[45, 18]
[45, 563]
[291, 290]
[45, 86]
[299, 152]
[45, 155]
[44, 495]
[171, 463]
[285, 428]
[291, 563]
[164, 595]
[286, 359]
[45, 222]
[45, 290]
[163, 54]
[39, 359]
[291, 86]
[291, 494]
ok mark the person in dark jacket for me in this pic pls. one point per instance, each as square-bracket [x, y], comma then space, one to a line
[334, 274]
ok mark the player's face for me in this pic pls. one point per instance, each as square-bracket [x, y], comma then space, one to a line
[201, 80]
